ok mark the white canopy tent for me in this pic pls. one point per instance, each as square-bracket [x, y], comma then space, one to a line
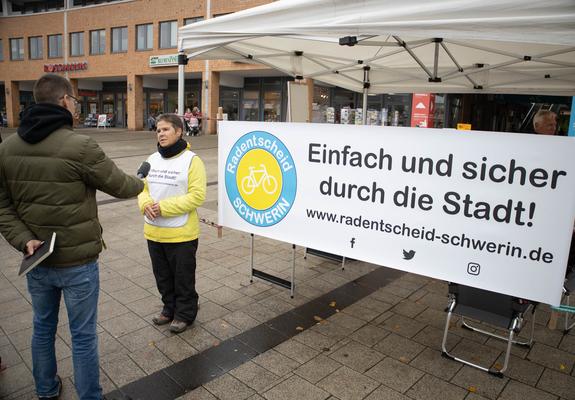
[410, 46]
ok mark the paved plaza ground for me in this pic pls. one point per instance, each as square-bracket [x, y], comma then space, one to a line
[365, 332]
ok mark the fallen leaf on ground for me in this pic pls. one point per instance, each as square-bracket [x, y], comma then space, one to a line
[332, 304]
[472, 389]
[318, 319]
[299, 328]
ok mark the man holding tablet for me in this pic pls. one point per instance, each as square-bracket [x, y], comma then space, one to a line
[48, 181]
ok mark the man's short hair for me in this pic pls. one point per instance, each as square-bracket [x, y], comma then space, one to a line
[51, 88]
[172, 119]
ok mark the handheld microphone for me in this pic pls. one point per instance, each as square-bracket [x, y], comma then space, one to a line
[143, 170]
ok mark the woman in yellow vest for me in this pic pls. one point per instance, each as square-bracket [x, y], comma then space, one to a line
[175, 188]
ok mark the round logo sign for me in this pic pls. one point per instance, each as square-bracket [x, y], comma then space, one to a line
[260, 178]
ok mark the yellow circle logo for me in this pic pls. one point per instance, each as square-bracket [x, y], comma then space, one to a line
[259, 179]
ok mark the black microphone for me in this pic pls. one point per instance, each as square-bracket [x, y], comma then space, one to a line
[143, 170]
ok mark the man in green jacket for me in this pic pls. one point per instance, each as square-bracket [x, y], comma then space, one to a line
[48, 181]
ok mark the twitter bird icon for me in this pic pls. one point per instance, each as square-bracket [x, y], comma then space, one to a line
[408, 255]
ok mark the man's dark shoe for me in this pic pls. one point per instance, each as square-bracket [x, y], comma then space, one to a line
[161, 319]
[59, 391]
[178, 326]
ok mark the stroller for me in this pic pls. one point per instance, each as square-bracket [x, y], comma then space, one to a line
[192, 126]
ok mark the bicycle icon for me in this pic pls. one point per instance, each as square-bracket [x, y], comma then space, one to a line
[257, 178]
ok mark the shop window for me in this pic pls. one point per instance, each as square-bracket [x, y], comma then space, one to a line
[156, 103]
[120, 39]
[251, 105]
[439, 111]
[77, 44]
[168, 34]
[54, 46]
[272, 105]
[188, 21]
[396, 110]
[84, 3]
[17, 49]
[230, 102]
[98, 41]
[145, 37]
[1, 50]
[36, 47]
[33, 7]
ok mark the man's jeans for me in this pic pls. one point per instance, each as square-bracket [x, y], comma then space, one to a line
[80, 285]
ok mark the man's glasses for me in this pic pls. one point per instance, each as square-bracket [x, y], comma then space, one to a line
[76, 101]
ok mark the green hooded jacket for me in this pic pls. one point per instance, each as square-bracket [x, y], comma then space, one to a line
[48, 181]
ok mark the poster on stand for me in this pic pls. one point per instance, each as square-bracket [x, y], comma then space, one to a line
[486, 209]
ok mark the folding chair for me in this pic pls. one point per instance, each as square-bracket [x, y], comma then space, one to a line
[566, 307]
[496, 309]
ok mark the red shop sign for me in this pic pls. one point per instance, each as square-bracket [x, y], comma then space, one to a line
[77, 66]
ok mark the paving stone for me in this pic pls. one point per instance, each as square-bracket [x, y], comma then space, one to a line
[433, 300]
[111, 309]
[140, 338]
[199, 338]
[433, 337]
[256, 377]
[18, 322]
[332, 330]
[408, 308]
[276, 363]
[395, 374]
[399, 347]
[296, 351]
[317, 368]
[130, 294]
[10, 356]
[568, 343]
[385, 393]
[221, 329]
[521, 370]
[347, 384]
[175, 348]
[121, 368]
[210, 311]
[222, 295]
[402, 325]
[433, 363]
[476, 353]
[241, 320]
[373, 304]
[295, 388]
[146, 306]
[552, 358]
[369, 335]
[357, 356]
[107, 344]
[260, 312]
[557, 383]
[150, 359]
[15, 378]
[477, 381]
[226, 387]
[432, 388]
[433, 317]
[347, 321]
[316, 340]
[123, 324]
[520, 391]
[200, 393]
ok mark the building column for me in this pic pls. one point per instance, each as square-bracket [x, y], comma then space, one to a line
[135, 103]
[74, 83]
[310, 87]
[12, 103]
[210, 107]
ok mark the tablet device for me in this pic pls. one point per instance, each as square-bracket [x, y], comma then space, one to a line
[41, 253]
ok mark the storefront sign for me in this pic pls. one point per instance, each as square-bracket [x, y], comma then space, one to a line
[422, 109]
[484, 209]
[77, 66]
[167, 60]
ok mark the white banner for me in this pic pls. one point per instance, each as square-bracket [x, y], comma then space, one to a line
[485, 209]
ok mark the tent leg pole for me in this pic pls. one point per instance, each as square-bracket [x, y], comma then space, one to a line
[365, 91]
[181, 80]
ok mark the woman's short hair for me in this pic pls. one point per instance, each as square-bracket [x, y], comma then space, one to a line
[172, 119]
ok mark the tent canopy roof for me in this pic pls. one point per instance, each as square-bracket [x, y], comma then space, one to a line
[482, 46]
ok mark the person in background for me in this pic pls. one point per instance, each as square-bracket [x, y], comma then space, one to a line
[545, 122]
[187, 117]
[48, 181]
[169, 203]
[198, 115]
